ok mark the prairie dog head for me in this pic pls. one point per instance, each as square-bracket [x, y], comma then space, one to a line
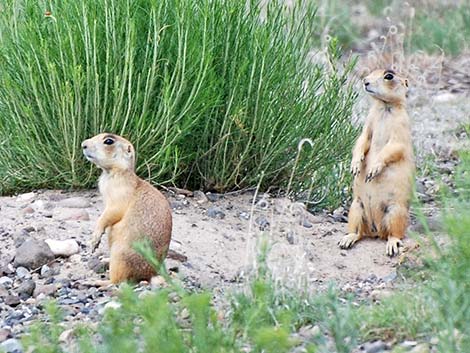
[109, 151]
[386, 86]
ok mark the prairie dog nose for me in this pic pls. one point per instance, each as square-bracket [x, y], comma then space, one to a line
[84, 146]
[366, 83]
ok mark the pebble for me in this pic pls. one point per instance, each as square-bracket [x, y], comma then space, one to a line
[4, 334]
[26, 289]
[200, 197]
[179, 205]
[308, 332]
[74, 202]
[27, 210]
[26, 197]
[7, 270]
[158, 282]
[262, 222]
[22, 273]
[445, 97]
[3, 291]
[244, 215]
[71, 214]
[66, 336]
[390, 277]
[213, 197]
[6, 281]
[111, 305]
[44, 290]
[96, 265]
[12, 300]
[375, 347]
[215, 212]
[340, 215]
[46, 271]
[76, 258]
[33, 254]
[11, 345]
[409, 344]
[306, 223]
[421, 348]
[63, 248]
[290, 237]
[184, 314]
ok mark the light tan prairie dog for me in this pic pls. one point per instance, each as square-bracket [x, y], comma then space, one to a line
[383, 165]
[134, 209]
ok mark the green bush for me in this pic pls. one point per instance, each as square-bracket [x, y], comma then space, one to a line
[214, 94]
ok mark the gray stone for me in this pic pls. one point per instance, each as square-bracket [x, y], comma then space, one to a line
[213, 197]
[11, 345]
[215, 212]
[244, 215]
[33, 254]
[306, 223]
[262, 222]
[12, 300]
[26, 289]
[4, 334]
[45, 290]
[290, 237]
[179, 204]
[22, 273]
[96, 265]
[3, 291]
[200, 197]
[390, 277]
[375, 347]
[6, 281]
[74, 202]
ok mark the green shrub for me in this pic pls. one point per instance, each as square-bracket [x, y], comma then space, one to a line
[214, 94]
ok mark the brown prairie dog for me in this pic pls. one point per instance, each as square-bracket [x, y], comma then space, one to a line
[134, 209]
[382, 165]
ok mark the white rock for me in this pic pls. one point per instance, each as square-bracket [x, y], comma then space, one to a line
[66, 336]
[26, 197]
[71, 214]
[158, 282]
[75, 258]
[75, 202]
[445, 97]
[63, 247]
[111, 305]
[11, 345]
[6, 281]
[421, 348]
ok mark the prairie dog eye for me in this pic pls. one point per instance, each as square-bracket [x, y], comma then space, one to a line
[388, 77]
[108, 141]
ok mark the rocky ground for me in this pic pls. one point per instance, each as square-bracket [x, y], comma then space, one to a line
[218, 236]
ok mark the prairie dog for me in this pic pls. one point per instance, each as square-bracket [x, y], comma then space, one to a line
[382, 165]
[134, 209]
